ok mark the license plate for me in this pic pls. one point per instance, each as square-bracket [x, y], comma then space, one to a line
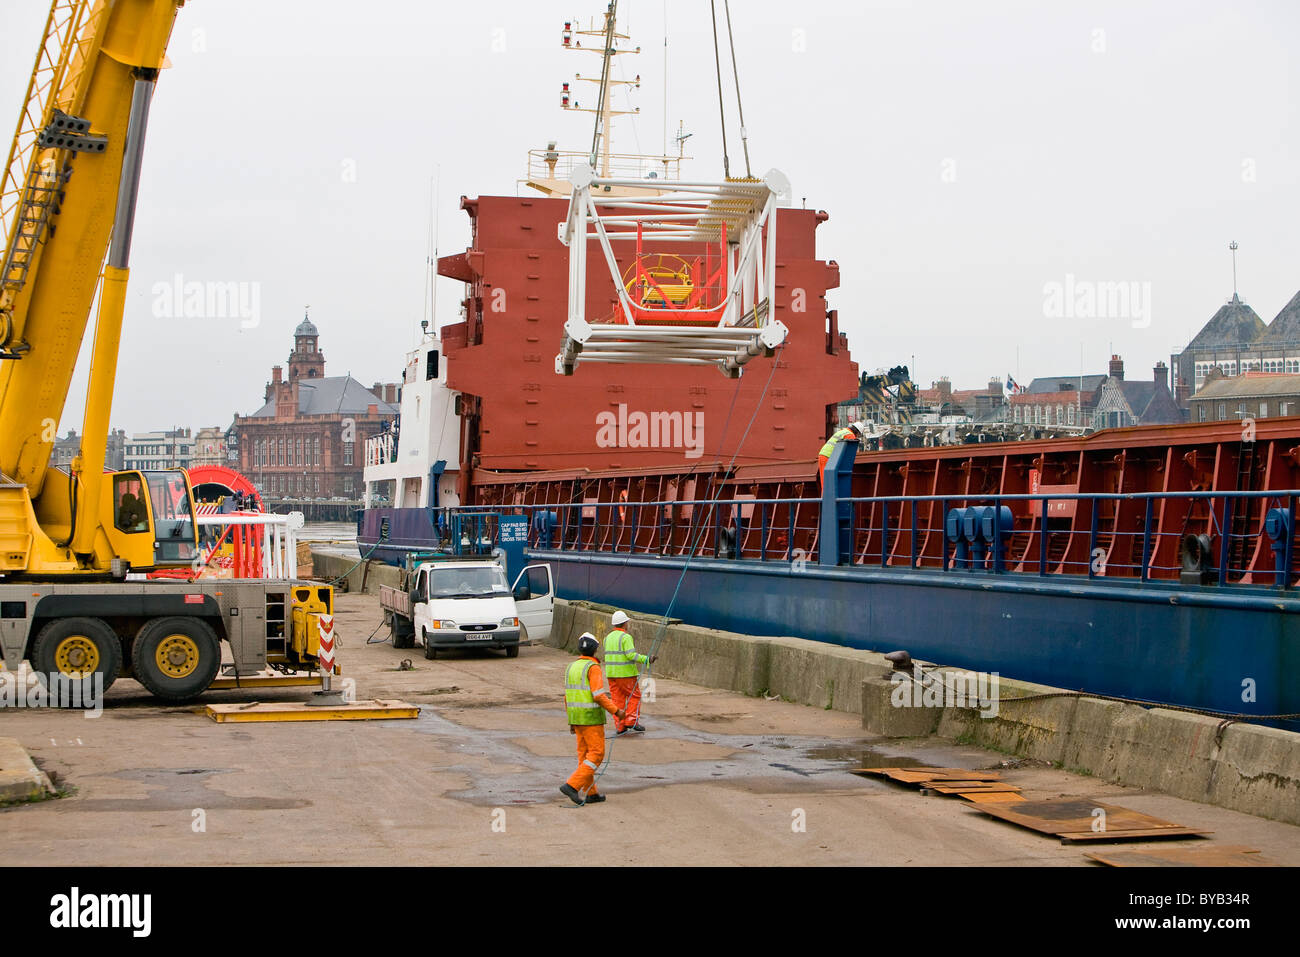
[478, 636]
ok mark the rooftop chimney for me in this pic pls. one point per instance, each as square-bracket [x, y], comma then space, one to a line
[1117, 368]
[276, 373]
[1162, 374]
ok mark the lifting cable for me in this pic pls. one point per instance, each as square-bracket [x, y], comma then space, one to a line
[604, 82]
[735, 72]
[717, 64]
[713, 504]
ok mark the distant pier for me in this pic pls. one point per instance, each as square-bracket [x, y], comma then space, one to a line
[332, 510]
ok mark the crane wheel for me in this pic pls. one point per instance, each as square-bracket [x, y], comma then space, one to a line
[176, 658]
[84, 653]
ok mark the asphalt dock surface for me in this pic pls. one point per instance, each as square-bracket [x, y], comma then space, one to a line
[719, 778]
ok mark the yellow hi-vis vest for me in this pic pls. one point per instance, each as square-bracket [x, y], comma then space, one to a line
[620, 655]
[836, 436]
[579, 697]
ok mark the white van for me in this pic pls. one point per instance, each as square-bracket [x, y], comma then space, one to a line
[468, 604]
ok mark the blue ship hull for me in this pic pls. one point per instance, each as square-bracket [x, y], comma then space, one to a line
[1157, 642]
[389, 534]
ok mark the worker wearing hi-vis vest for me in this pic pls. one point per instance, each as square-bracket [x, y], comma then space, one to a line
[853, 433]
[586, 697]
[621, 661]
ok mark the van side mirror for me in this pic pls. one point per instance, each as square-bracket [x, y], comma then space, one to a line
[522, 593]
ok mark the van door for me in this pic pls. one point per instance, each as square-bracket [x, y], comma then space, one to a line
[419, 596]
[534, 593]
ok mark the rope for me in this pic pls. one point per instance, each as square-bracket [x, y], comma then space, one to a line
[360, 561]
[663, 626]
[744, 139]
[717, 63]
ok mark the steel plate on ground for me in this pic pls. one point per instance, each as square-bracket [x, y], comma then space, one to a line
[1214, 855]
[915, 775]
[1076, 819]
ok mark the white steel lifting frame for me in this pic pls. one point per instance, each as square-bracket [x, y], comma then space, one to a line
[726, 334]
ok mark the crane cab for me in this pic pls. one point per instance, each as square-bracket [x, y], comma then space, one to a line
[148, 518]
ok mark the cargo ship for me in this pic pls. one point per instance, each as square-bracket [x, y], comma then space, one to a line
[480, 397]
[1155, 563]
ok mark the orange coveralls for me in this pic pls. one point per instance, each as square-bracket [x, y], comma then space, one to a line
[591, 737]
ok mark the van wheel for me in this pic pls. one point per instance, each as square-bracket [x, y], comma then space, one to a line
[512, 651]
[176, 658]
[403, 632]
[82, 652]
[430, 652]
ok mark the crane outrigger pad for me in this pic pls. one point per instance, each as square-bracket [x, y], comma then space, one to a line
[377, 710]
[714, 309]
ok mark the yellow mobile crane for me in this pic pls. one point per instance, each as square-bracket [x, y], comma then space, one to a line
[68, 540]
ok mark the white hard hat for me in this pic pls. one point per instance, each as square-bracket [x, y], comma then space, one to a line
[860, 428]
[619, 618]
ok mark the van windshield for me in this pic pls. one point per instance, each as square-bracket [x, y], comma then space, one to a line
[486, 581]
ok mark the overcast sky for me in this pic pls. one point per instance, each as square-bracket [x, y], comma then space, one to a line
[971, 154]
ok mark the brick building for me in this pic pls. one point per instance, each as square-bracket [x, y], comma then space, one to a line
[1236, 342]
[1254, 395]
[209, 447]
[1091, 402]
[306, 441]
[69, 447]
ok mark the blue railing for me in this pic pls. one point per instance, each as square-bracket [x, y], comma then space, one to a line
[1224, 538]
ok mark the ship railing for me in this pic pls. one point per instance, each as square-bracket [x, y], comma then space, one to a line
[381, 449]
[1203, 537]
[249, 545]
[560, 164]
[770, 530]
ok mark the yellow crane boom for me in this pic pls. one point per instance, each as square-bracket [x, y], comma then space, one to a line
[67, 199]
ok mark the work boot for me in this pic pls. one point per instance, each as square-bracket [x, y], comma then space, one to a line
[637, 727]
[595, 798]
[571, 793]
[622, 731]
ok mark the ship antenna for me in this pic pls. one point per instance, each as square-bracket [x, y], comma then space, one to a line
[665, 143]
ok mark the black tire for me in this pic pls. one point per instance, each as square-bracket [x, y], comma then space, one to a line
[512, 651]
[403, 632]
[65, 645]
[176, 658]
[430, 652]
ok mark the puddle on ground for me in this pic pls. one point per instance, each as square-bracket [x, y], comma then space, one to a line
[182, 789]
[862, 756]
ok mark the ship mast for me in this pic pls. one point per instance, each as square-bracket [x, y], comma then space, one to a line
[607, 43]
[549, 169]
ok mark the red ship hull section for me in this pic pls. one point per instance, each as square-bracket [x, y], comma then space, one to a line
[519, 415]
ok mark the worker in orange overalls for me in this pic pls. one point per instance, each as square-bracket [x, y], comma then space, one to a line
[853, 433]
[586, 698]
[621, 667]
